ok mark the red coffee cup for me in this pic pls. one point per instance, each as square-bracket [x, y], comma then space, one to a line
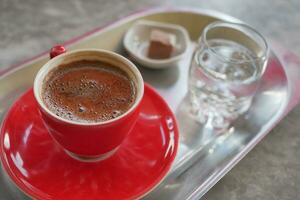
[90, 141]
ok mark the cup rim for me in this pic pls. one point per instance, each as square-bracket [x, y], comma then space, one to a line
[239, 27]
[40, 76]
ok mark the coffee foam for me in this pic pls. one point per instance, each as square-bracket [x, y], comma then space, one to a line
[88, 91]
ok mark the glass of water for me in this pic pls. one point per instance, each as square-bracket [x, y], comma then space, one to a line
[225, 71]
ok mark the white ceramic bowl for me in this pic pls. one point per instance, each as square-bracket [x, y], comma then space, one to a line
[137, 40]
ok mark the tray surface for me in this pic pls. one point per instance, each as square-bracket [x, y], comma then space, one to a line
[198, 166]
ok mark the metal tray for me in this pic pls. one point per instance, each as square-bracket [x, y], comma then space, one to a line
[198, 165]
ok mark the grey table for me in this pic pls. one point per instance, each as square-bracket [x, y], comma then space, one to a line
[272, 169]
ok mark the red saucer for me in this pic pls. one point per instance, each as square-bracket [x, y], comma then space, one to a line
[44, 171]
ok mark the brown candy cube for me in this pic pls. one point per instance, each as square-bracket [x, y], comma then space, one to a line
[161, 44]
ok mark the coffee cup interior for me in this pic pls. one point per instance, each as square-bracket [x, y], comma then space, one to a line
[111, 58]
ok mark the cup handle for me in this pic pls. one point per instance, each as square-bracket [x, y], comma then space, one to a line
[57, 50]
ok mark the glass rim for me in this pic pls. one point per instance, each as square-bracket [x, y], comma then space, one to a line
[233, 25]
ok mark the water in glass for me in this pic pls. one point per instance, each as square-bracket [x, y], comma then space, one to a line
[222, 81]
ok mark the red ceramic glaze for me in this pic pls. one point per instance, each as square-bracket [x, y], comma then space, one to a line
[90, 140]
[95, 140]
[57, 50]
[43, 170]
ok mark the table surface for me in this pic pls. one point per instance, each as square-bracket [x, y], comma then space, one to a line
[272, 169]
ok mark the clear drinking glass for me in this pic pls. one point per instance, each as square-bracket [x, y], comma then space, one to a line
[225, 72]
